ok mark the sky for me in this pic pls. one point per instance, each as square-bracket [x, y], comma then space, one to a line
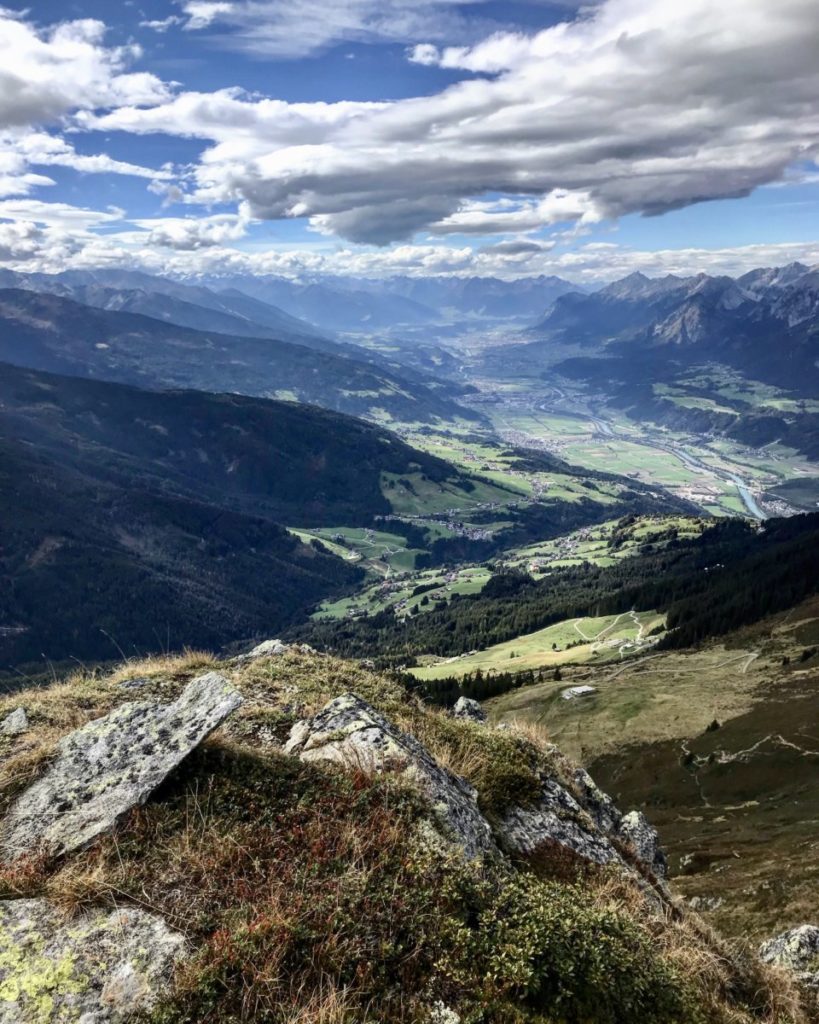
[385, 137]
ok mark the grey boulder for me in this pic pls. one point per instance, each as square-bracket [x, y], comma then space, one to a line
[111, 765]
[469, 709]
[557, 818]
[352, 733]
[642, 837]
[266, 649]
[101, 968]
[14, 724]
[796, 950]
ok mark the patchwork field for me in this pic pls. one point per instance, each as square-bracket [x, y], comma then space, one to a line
[702, 470]
[409, 591]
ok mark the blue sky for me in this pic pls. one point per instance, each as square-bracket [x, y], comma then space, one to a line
[409, 136]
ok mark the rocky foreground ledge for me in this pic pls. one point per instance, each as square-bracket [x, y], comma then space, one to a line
[290, 837]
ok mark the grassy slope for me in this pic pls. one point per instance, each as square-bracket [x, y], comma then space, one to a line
[580, 640]
[749, 822]
[309, 896]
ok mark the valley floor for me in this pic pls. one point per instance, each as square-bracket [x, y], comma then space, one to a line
[721, 476]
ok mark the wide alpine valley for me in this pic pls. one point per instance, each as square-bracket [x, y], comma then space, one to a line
[409, 512]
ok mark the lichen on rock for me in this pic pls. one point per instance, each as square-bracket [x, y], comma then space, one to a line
[642, 837]
[796, 950]
[556, 818]
[110, 765]
[575, 813]
[469, 709]
[349, 731]
[100, 968]
[14, 724]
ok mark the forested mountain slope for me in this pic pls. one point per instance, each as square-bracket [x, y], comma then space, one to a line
[156, 517]
[47, 332]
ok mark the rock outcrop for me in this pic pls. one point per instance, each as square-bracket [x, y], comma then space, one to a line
[266, 649]
[578, 815]
[556, 818]
[349, 731]
[469, 709]
[273, 649]
[14, 724]
[111, 765]
[642, 837]
[101, 968]
[796, 950]
[571, 812]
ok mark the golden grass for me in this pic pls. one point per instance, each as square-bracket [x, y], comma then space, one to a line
[303, 888]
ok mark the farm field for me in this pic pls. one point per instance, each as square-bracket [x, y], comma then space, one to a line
[397, 592]
[603, 545]
[377, 551]
[413, 494]
[611, 637]
[706, 471]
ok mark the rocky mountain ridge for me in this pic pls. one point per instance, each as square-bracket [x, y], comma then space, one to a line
[475, 873]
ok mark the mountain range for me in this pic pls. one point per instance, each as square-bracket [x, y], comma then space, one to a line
[762, 324]
[49, 332]
[701, 354]
[362, 305]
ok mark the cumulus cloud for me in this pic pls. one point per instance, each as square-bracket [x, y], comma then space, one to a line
[47, 73]
[638, 107]
[19, 241]
[193, 233]
[50, 237]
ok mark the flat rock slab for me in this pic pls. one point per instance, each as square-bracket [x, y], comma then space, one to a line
[351, 732]
[100, 968]
[111, 765]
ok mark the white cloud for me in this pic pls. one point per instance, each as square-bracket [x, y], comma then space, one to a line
[19, 241]
[42, 149]
[45, 74]
[283, 29]
[193, 233]
[508, 216]
[48, 74]
[202, 13]
[50, 237]
[15, 179]
[641, 107]
[59, 215]
[162, 25]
